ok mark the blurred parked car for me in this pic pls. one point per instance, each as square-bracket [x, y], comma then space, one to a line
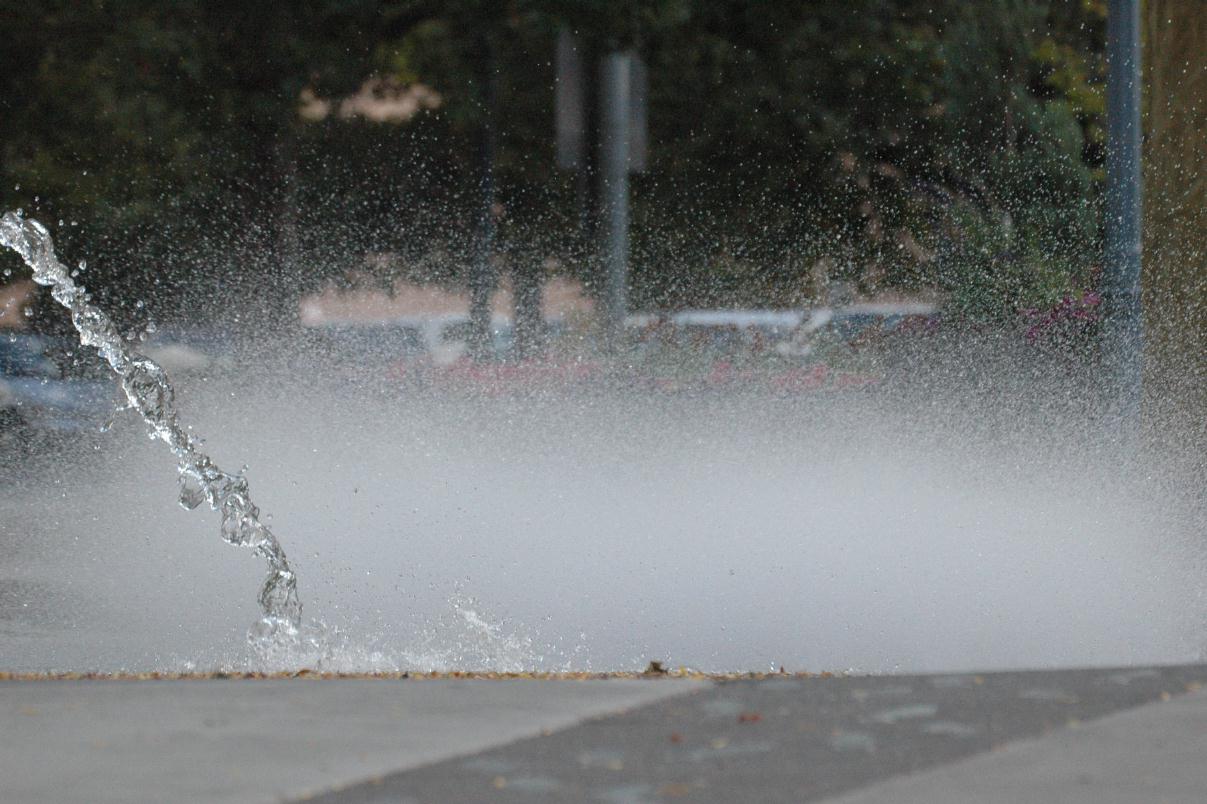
[450, 335]
[566, 360]
[189, 351]
[712, 329]
[39, 394]
[853, 326]
[745, 326]
[365, 351]
[706, 348]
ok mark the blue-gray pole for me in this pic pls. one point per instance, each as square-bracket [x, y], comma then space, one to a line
[482, 271]
[614, 190]
[1123, 328]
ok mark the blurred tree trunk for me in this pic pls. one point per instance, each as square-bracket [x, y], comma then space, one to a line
[1175, 226]
[286, 234]
[286, 282]
[526, 281]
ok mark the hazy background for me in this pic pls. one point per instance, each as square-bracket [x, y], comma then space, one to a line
[204, 155]
[975, 507]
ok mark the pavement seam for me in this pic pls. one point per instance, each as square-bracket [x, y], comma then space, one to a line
[1008, 708]
[335, 795]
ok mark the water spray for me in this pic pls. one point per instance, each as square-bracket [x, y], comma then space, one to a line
[150, 394]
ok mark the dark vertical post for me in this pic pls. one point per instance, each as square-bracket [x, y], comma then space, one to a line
[1123, 321]
[527, 288]
[482, 277]
[577, 125]
[614, 110]
[287, 240]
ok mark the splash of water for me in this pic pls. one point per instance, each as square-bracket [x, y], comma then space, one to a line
[149, 393]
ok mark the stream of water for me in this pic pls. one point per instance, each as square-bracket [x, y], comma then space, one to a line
[149, 393]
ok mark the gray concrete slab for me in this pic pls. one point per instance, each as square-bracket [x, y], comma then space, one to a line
[262, 741]
[789, 739]
[1157, 753]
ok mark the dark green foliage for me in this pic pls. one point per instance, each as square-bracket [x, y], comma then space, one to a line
[920, 145]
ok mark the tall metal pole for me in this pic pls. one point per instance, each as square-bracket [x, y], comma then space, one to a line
[614, 106]
[1123, 335]
[482, 272]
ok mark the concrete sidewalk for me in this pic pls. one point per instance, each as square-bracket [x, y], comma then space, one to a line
[269, 740]
[1155, 753]
[1137, 734]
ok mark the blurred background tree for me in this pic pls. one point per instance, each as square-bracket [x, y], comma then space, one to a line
[221, 154]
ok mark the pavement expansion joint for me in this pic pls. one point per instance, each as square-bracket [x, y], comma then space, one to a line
[612, 737]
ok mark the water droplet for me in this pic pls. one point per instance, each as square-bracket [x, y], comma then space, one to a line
[192, 494]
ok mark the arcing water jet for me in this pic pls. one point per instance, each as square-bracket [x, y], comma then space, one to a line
[150, 394]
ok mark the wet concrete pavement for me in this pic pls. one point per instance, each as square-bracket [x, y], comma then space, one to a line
[268, 740]
[807, 739]
[1076, 735]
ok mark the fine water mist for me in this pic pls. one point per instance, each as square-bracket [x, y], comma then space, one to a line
[577, 529]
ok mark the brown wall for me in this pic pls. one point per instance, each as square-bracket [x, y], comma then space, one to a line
[1175, 230]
